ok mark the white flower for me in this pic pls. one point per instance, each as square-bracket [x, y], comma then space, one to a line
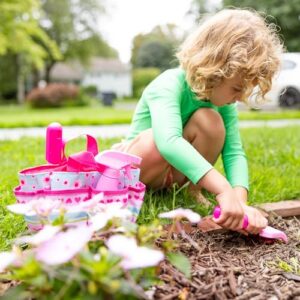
[142, 257]
[89, 205]
[41, 206]
[181, 213]
[115, 210]
[63, 246]
[21, 208]
[98, 221]
[42, 236]
[132, 255]
[6, 259]
[121, 245]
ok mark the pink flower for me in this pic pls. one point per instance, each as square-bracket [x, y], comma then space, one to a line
[47, 179]
[76, 184]
[63, 246]
[132, 255]
[180, 213]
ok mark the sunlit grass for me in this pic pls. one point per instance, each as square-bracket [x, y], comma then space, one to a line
[18, 116]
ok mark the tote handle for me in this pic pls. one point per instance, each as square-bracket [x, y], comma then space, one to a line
[55, 145]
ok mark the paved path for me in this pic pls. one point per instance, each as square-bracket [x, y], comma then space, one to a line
[109, 131]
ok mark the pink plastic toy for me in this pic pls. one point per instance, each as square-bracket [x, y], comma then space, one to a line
[54, 143]
[78, 177]
[114, 161]
[268, 232]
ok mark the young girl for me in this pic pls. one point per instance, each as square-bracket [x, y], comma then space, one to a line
[187, 116]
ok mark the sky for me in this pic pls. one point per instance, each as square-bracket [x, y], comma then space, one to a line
[127, 18]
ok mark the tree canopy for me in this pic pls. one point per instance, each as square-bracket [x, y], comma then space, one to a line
[285, 14]
[38, 33]
[72, 24]
[156, 48]
[20, 32]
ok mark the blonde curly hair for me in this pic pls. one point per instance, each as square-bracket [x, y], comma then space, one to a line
[233, 41]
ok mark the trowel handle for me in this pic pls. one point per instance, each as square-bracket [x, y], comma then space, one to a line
[217, 214]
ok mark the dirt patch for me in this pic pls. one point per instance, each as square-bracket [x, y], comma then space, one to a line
[232, 266]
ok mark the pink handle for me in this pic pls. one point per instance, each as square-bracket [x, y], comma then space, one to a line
[55, 145]
[217, 214]
[91, 145]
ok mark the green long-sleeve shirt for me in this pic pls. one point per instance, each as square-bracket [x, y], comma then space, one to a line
[166, 106]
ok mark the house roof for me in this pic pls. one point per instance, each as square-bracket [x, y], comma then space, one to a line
[66, 71]
[107, 65]
[75, 71]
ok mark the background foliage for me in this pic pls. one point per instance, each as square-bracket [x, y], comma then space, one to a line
[283, 13]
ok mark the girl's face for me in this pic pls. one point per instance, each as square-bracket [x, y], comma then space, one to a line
[228, 92]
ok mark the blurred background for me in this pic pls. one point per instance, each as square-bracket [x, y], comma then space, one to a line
[75, 53]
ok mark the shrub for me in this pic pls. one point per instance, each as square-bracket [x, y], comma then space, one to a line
[55, 95]
[90, 90]
[141, 78]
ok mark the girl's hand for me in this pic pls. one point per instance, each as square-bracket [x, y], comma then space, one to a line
[256, 220]
[232, 212]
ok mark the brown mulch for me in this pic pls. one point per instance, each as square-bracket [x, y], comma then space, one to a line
[229, 265]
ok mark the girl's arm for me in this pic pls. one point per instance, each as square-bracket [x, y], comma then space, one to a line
[232, 211]
[242, 194]
[256, 220]
[233, 154]
[236, 167]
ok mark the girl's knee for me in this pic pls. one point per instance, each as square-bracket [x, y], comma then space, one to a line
[144, 146]
[209, 122]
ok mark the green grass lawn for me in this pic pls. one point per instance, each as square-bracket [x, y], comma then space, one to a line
[273, 155]
[17, 116]
[267, 115]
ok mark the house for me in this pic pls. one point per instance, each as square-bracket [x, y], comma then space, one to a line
[108, 75]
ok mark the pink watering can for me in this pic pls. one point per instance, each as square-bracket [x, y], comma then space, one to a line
[268, 232]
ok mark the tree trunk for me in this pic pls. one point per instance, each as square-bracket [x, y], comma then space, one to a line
[35, 77]
[49, 67]
[20, 80]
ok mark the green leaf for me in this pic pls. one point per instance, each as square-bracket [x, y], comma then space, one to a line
[181, 262]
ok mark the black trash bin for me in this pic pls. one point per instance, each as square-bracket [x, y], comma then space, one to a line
[107, 98]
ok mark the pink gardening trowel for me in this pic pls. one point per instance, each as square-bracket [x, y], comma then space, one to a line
[268, 232]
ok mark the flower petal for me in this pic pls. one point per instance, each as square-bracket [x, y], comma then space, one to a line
[6, 258]
[64, 246]
[42, 236]
[142, 257]
[44, 206]
[121, 245]
[98, 221]
[116, 210]
[88, 206]
[182, 213]
[20, 208]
